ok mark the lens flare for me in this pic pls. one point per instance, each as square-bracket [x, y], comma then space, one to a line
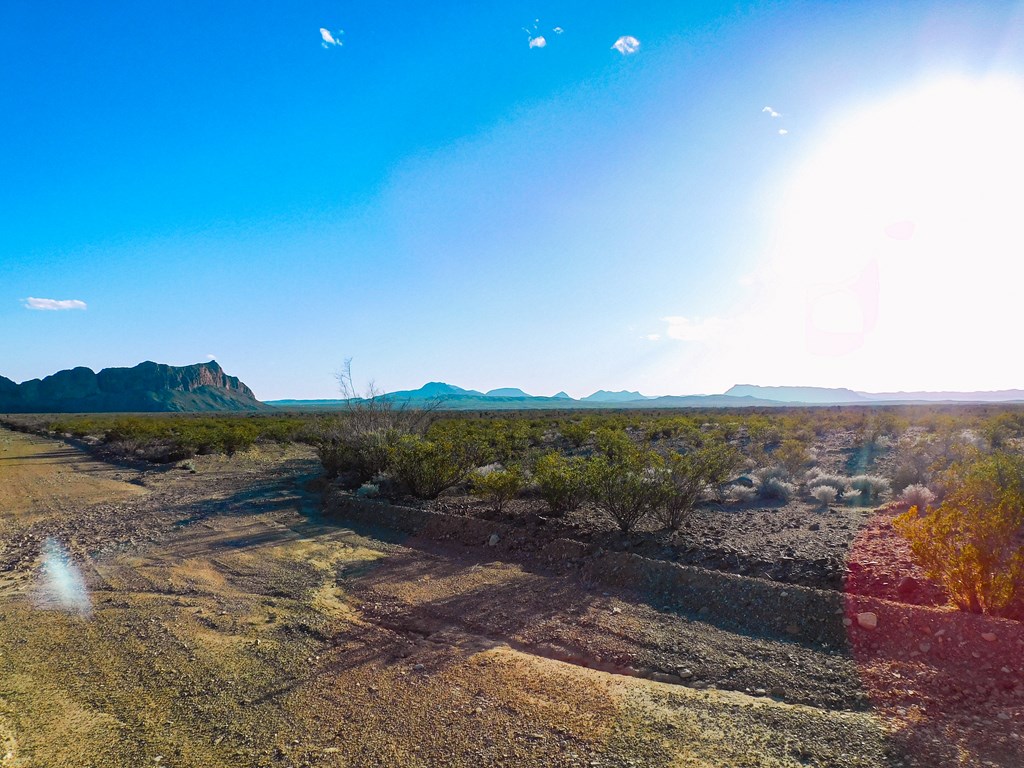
[60, 585]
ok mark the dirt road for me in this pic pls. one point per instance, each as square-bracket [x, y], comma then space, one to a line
[214, 618]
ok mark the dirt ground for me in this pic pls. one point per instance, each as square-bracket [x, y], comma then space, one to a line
[215, 618]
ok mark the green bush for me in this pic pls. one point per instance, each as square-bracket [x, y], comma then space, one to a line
[499, 486]
[973, 542]
[561, 481]
[688, 476]
[427, 467]
[627, 487]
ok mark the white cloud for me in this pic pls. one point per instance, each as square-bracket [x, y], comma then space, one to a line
[211, 357]
[330, 39]
[771, 112]
[783, 131]
[686, 329]
[626, 45]
[558, 30]
[538, 42]
[653, 337]
[53, 304]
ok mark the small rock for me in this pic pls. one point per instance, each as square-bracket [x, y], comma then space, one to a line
[663, 677]
[867, 620]
[908, 586]
[493, 541]
[685, 674]
[418, 667]
[792, 629]
[847, 621]
[777, 691]
[988, 637]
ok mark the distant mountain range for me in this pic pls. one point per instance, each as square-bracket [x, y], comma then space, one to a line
[450, 397]
[151, 387]
[148, 387]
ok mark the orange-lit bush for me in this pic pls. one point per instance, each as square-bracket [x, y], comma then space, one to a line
[973, 542]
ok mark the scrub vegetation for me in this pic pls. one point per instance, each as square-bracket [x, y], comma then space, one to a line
[657, 473]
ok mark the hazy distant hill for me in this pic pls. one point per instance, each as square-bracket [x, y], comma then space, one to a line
[604, 396]
[148, 387]
[450, 397]
[806, 395]
[507, 392]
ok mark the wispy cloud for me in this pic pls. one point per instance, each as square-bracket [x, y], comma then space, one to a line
[771, 112]
[211, 357]
[538, 42]
[558, 30]
[53, 304]
[626, 45]
[653, 337]
[783, 131]
[695, 329]
[330, 39]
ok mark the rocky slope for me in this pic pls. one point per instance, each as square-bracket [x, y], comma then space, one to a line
[147, 387]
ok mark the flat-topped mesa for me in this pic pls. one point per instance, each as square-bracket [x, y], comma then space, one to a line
[154, 376]
[148, 386]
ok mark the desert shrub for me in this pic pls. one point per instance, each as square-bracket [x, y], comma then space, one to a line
[870, 487]
[917, 496]
[342, 447]
[499, 486]
[688, 476]
[771, 483]
[824, 494]
[838, 483]
[368, 491]
[427, 467]
[577, 432]
[741, 493]
[973, 542]
[776, 488]
[561, 481]
[628, 488]
[792, 455]
[615, 444]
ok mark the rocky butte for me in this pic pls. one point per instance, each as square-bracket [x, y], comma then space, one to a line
[148, 387]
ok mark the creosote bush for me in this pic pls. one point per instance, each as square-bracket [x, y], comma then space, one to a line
[427, 467]
[499, 486]
[973, 542]
[628, 487]
[561, 481]
[687, 477]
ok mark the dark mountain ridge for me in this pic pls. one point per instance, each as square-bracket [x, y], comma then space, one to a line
[147, 387]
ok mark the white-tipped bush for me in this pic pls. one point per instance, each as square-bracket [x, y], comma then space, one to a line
[742, 493]
[917, 496]
[838, 483]
[825, 494]
[871, 487]
[776, 488]
[771, 483]
[368, 491]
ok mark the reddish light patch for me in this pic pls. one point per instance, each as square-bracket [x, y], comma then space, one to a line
[949, 684]
[900, 230]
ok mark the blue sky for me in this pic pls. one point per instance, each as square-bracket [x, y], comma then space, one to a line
[439, 200]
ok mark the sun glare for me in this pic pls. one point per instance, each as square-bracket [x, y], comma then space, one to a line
[901, 230]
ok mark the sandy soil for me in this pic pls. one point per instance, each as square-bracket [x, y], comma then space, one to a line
[164, 617]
